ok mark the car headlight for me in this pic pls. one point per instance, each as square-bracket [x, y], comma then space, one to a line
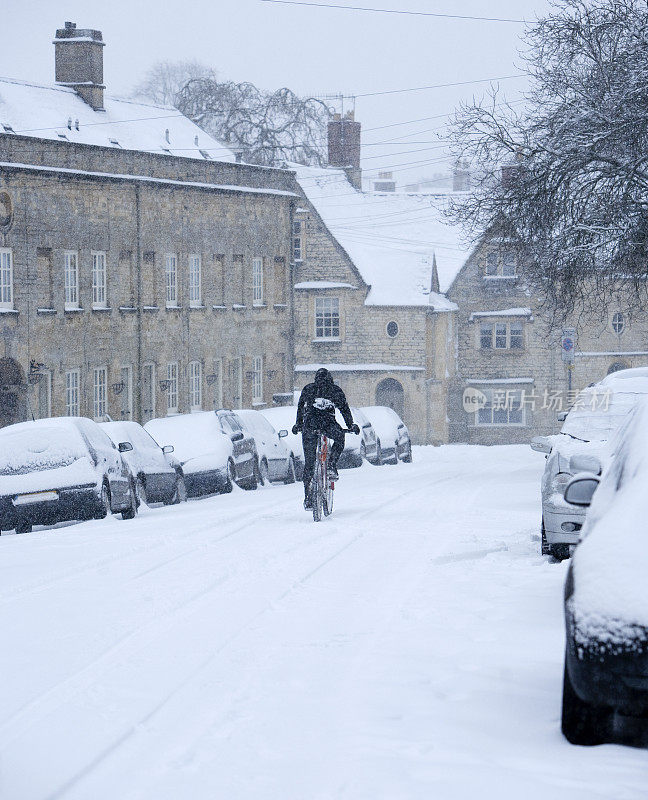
[560, 481]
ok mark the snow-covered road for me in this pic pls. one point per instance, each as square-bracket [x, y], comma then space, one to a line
[409, 647]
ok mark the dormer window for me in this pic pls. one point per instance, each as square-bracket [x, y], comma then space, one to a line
[500, 264]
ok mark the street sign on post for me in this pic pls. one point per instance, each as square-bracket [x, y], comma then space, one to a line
[568, 345]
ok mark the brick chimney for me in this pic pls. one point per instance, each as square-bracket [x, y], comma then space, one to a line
[79, 62]
[344, 147]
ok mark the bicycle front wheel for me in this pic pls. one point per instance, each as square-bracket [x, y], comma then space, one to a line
[317, 490]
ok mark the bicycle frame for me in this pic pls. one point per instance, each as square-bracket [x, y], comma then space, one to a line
[321, 485]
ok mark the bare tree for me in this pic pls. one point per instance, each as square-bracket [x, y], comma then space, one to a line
[265, 127]
[565, 182]
[165, 79]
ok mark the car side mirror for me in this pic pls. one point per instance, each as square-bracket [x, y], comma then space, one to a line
[168, 448]
[283, 434]
[236, 437]
[584, 463]
[580, 490]
[125, 447]
[541, 444]
[562, 416]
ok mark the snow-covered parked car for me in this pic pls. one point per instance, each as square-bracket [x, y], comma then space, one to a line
[204, 451]
[275, 461]
[596, 414]
[392, 437]
[605, 692]
[158, 473]
[283, 418]
[351, 456]
[369, 448]
[60, 469]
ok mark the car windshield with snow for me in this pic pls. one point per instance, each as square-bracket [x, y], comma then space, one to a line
[55, 470]
[392, 437]
[274, 460]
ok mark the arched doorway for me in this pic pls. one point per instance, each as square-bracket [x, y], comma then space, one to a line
[13, 393]
[389, 392]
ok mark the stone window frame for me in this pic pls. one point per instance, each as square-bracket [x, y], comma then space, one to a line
[257, 380]
[99, 393]
[618, 322]
[6, 278]
[257, 281]
[195, 280]
[515, 394]
[71, 279]
[498, 265]
[507, 336]
[328, 320]
[171, 280]
[72, 392]
[172, 391]
[99, 279]
[298, 241]
[194, 385]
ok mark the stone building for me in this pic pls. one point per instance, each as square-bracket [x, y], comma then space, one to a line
[370, 270]
[509, 352]
[142, 271]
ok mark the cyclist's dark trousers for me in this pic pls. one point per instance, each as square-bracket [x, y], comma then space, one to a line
[309, 440]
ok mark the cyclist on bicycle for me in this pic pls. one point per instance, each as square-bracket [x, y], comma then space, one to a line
[316, 412]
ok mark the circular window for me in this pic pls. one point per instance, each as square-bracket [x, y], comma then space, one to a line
[392, 329]
[618, 322]
[6, 211]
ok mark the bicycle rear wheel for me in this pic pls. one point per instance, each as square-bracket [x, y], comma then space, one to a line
[317, 486]
[328, 496]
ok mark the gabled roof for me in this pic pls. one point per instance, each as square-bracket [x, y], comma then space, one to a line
[393, 240]
[51, 112]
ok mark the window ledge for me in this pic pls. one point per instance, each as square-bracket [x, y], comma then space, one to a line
[219, 308]
[127, 309]
[258, 403]
[74, 310]
[150, 308]
[101, 309]
[197, 308]
[46, 311]
[328, 340]
[238, 307]
[8, 311]
[259, 305]
[280, 305]
[173, 308]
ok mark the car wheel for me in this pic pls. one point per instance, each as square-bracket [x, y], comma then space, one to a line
[379, 456]
[394, 459]
[140, 489]
[251, 483]
[559, 552]
[180, 492]
[23, 527]
[291, 475]
[583, 723]
[231, 477]
[407, 458]
[131, 511]
[104, 502]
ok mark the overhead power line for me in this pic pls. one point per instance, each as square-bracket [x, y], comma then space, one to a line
[440, 85]
[394, 11]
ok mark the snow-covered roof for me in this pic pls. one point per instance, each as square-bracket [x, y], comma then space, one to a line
[393, 240]
[358, 368]
[504, 312]
[51, 112]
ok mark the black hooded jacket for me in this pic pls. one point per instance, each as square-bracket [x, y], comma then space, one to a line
[319, 400]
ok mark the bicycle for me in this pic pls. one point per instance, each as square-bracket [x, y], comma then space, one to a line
[322, 487]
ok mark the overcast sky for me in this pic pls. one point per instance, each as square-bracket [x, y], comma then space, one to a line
[311, 50]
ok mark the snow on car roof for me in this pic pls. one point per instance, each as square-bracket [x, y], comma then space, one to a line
[392, 240]
[52, 111]
[191, 435]
[39, 445]
[384, 420]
